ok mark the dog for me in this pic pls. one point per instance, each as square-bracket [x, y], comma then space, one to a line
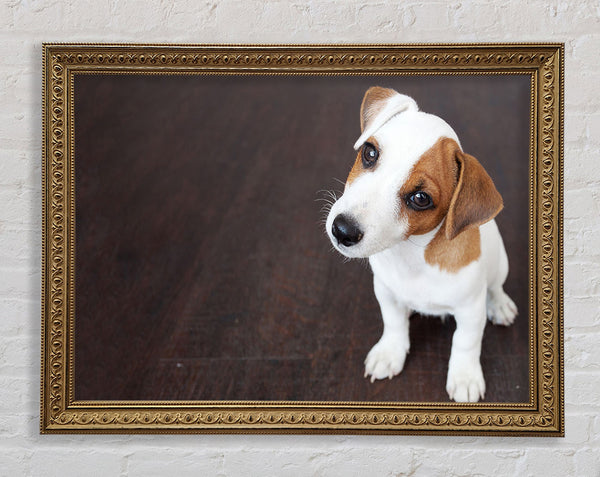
[422, 211]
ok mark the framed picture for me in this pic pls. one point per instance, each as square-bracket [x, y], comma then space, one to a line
[189, 281]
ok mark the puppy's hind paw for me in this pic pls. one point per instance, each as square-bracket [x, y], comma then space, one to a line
[385, 360]
[501, 310]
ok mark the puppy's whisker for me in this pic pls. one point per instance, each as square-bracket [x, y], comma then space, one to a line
[321, 199]
[327, 202]
[329, 192]
[332, 194]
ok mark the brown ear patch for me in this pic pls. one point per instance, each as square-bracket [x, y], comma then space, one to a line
[475, 201]
[464, 197]
[373, 102]
[452, 255]
[358, 168]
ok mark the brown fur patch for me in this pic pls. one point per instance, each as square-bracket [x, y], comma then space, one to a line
[475, 200]
[452, 255]
[463, 195]
[435, 173]
[358, 168]
[373, 102]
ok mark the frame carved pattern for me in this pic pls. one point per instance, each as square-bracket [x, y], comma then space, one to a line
[543, 415]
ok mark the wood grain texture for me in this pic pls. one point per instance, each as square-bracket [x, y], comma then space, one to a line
[202, 268]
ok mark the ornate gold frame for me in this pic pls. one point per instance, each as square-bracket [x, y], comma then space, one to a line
[544, 413]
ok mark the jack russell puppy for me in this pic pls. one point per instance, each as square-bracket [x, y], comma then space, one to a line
[422, 211]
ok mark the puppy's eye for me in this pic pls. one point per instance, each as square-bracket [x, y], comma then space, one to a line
[419, 201]
[370, 154]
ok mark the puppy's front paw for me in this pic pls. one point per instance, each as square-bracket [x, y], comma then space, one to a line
[465, 382]
[501, 310]
[386, 359]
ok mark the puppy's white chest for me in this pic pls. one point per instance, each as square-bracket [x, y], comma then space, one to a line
[421, 286]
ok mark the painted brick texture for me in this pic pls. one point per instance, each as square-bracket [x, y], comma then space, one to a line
[26, 24]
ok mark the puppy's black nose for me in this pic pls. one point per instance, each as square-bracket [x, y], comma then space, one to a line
[346, 231]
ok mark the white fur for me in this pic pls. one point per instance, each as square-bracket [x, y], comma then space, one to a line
[372, 197]
[403, 281]
[397, 104]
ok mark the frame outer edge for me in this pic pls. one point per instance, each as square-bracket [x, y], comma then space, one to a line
[42, 421]
[59, 415]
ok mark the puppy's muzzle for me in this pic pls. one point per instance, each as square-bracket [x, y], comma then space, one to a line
[346, 230]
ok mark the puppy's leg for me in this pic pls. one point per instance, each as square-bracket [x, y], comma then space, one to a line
[501, 310]
[386, 358]
[465, 381]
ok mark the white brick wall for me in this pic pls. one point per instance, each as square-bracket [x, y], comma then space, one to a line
[27, 23]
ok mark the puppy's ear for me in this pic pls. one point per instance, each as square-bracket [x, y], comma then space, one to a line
[379, 105]
[372, 104]
[475, 200]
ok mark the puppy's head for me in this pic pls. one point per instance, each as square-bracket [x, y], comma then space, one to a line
[410, 177]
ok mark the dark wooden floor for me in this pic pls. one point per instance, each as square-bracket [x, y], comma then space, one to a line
[202, 268]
